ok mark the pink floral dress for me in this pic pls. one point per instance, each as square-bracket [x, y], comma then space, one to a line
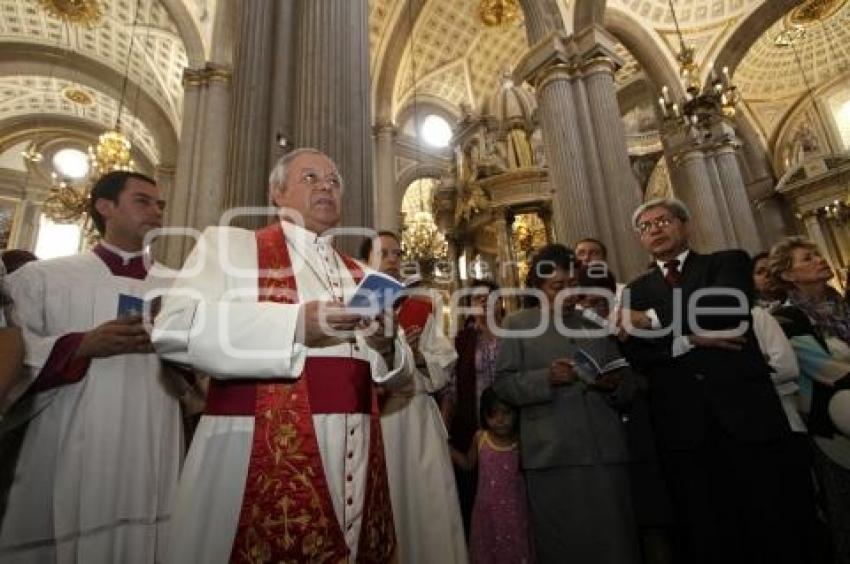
[501, 531]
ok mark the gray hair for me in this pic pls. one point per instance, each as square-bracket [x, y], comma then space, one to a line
[674, 206]
[277, 178]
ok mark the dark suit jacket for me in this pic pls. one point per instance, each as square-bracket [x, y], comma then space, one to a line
[694, 393]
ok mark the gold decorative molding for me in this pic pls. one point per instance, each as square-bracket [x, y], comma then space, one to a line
[78, 96]
[86, 13]
[494, 13]
[205, 75]
[554, 73]
[813, 12]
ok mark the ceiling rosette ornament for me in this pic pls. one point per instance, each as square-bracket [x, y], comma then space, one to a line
[86, 13]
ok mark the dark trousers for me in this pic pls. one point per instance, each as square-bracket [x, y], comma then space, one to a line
[737, 502]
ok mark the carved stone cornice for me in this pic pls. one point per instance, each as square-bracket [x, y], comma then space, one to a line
[555, 51]
[384, 129]
[209, 73]
[560, 57]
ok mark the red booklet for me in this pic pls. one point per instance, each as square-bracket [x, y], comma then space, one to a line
[414, 312]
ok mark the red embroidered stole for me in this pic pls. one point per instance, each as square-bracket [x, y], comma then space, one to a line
[287, 514]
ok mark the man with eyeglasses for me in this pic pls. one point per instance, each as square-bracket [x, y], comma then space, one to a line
[719, 424]
[287, 464]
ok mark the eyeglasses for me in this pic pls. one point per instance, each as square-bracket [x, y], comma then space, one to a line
[645, 227]
[312, 179]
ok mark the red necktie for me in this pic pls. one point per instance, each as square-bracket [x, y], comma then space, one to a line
[674, 275]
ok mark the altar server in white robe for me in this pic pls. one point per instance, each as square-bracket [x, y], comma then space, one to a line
[422, 481]
[287, 463]
[95, 476]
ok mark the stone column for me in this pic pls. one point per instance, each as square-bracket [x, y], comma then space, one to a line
[621, 187]
[198, 194]
[250, 123]
[726, 225]
[506, 261]
[819, 236]
[332, 109]
[740, 210]
[550, 67]
[596, 179]
[387, 197]
[773, 220]
[696, 192]
[164, 176]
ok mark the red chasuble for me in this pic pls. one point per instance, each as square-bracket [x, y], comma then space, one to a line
[287, 514]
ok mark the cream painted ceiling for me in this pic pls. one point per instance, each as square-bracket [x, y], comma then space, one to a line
[34, 96]
[454, 58]
[770, 78]
[158, 56]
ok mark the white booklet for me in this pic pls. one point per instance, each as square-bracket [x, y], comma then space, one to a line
[588, 369]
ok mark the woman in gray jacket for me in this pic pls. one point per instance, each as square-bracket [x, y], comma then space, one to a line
[569, 382]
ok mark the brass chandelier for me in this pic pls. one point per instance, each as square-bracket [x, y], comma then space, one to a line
[421, 239]
[68, 202]
[719, 99]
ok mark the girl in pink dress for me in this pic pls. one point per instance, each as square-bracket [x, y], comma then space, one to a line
[500, 525]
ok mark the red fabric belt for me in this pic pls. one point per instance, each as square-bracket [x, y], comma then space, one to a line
[334, 385]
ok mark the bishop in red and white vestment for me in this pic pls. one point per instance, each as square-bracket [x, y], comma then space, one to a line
[287, 464]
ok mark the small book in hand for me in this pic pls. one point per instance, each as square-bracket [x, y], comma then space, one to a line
[588, 369]
[414, 312]
[375, 293]
[129, 306]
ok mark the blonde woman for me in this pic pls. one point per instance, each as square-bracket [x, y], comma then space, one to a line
[817, 321]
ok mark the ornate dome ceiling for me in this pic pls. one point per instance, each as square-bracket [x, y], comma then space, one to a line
[37, 95]
[453, 57]
[769, 77]
[158, 56]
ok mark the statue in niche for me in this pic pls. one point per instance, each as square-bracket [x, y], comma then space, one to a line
[484, 161]
[538, 149]
[466, 114]
[519, 149]
[803, 144]
[475, 201]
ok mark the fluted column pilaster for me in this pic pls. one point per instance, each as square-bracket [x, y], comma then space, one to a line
[332, 110]
[573, 215]
[620, 185]
[740, 210]
[387, 198]
[696, 192]
[197, 197]
[819, 236]
[250, 121]
[727, 228]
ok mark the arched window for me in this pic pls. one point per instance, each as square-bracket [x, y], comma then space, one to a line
[436, 131]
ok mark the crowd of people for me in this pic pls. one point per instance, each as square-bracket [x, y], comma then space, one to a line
[239, 411]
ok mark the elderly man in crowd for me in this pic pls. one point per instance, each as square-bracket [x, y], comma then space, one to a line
[721, 431]
[287, 464]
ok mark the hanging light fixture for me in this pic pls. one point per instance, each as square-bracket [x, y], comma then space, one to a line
[701, 105]
[421, 240]
[68, 200]
[494, 13]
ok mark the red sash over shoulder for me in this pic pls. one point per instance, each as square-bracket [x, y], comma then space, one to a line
[287, 514]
